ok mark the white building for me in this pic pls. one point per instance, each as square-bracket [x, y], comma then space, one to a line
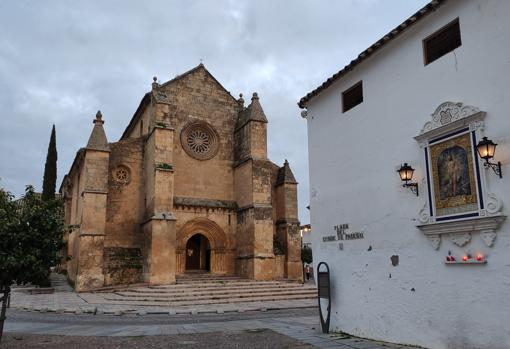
[425, 94]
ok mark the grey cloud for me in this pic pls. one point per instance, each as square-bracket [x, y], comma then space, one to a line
[62, 61]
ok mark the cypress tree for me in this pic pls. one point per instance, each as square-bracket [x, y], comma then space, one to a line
[50, 169]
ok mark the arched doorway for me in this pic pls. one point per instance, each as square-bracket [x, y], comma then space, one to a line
[198, 253]
[218, 257]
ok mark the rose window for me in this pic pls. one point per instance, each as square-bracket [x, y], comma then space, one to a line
[200, 140]
[121, 174]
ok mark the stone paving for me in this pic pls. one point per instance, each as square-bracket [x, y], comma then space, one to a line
[65, 300]
[305, 329]
[302, 328]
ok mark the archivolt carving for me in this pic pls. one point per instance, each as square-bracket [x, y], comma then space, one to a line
[211, 230]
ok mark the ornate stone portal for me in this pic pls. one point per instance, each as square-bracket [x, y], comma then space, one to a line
[188, 187]
[459, 203]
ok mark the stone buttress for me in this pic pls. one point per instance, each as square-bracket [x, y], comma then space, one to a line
[159, 234]
[287, 223]
[252, 181]
[91, 173]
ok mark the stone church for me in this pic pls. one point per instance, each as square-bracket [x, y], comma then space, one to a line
[188, 188]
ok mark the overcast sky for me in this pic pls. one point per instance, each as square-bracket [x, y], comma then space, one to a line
[61, 61]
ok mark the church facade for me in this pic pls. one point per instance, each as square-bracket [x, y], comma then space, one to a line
[187, 188]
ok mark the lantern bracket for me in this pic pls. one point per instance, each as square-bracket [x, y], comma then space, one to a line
[412, 186]
[496, 167]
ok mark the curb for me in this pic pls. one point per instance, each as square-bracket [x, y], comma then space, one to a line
[142, 312]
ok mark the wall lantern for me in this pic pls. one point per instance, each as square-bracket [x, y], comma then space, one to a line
[406, 174]
[486, 149]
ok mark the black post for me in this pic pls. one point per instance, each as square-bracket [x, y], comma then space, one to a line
[324, 291]
[6, 292]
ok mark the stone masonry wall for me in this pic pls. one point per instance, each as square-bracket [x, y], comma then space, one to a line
[124, 209]
[122, 265]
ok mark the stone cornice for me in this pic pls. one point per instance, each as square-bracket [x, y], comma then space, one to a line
[94, 191]
[205, 203]
[92, 234]
[161, 216]
[247, 207]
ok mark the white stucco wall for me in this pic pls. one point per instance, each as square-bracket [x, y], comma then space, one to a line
[353, 157]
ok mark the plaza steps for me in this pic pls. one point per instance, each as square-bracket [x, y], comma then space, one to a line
[212, 289]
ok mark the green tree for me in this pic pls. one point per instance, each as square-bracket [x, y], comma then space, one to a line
[50, 169]
[306, 255]
[31, 238]
[306, 258]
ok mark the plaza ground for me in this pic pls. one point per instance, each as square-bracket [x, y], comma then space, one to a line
[286, 328]
[244, 339]
[65, 319]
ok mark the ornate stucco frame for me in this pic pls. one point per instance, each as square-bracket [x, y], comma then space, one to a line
[451, 120]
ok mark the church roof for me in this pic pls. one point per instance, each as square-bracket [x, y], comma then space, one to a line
[198, 67]
[97, 140]
[423, 12]
[253, 112]
[285, 175]
[143, 103]
[146, 98]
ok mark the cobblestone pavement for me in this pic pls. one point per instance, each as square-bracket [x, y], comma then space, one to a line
[299, 324]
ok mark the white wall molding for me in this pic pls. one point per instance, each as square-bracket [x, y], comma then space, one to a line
[448, 117]
[460, 232]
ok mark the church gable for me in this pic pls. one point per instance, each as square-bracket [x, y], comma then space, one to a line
[200, 73]
[203, 115]
[198, 94]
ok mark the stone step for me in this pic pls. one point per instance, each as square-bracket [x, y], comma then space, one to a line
[223, 288]
[216, 294]
[244, 282]
[125, 301]
[205, 276]
[215, 280]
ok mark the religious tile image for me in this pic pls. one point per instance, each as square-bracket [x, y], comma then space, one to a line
[453, 176]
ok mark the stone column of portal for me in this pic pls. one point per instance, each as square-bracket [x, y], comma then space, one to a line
[93, 194]
[287, 223]
[159, 228]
